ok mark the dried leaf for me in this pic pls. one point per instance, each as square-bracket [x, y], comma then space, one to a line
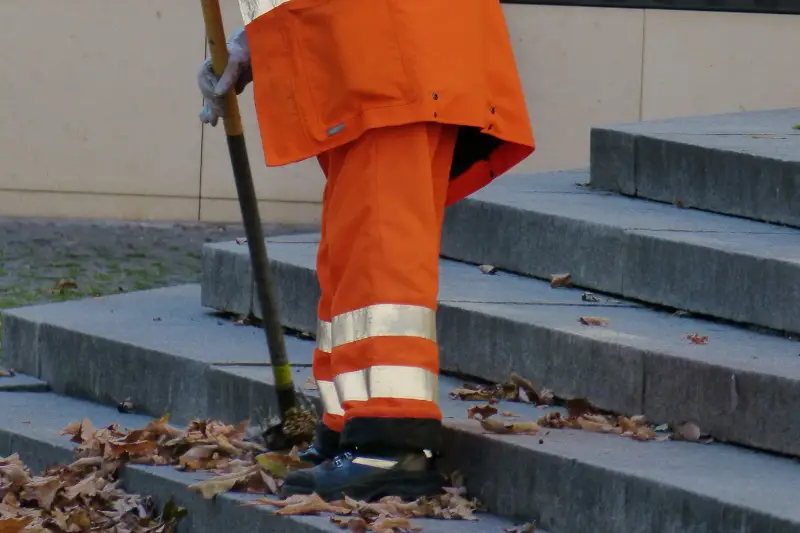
[591, 425]
[469, 395]
[87, 430]
[594, 321]
[43, 490]
[353, 525]
[546, 397]
[12, 470]
[482, 411]
[626, 424]
[311, 504]
[488, 269]
[644, 433]
[269, 482]
[14, 525]
[73, 430]
[161, 427]
[598, 418]
[203, 451]
[272, 464]
[291, 500]
[141, 448]
[577, 407]
[241, 240]
[219, 484]
[67, 284]
[6, 372]
[388, 525]
[510, 428]
[86, 487]
[696, 338]
[527, 387]
[497, 426]
[310, 384]
[357, 525]
[561, 280]
[589, 297]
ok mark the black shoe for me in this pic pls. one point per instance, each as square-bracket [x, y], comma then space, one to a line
[313, 456]
[367, 477]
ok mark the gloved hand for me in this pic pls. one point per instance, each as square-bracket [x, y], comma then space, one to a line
[238, 74]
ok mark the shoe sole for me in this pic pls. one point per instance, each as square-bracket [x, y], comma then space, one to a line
[408, 486]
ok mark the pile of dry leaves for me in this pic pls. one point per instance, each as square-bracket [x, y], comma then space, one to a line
[388, 515]
[241, 465]
[202, 446]
[516, 389]
[79, 497]
[581, 414]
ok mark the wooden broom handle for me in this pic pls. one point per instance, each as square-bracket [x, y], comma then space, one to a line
[215, 32]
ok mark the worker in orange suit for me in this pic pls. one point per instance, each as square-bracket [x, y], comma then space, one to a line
[409, 106]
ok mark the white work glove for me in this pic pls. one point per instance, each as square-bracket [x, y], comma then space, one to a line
[238, 74]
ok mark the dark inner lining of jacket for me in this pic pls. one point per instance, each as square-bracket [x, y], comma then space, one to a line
[472, 146]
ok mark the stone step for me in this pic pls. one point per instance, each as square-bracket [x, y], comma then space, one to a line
[710, 264]
[22, 383]
[168, 355]
[30, 424]
[744, 164]
[741, 387]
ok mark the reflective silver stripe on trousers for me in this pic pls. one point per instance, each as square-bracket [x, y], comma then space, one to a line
[324, 338]
[400, 382]
[330, 398]
[384, 320]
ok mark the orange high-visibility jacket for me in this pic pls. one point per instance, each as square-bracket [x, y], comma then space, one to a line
[325, 71]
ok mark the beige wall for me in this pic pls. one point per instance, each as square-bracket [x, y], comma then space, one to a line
[99, 104]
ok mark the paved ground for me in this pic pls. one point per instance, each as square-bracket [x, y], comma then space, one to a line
[55, 260]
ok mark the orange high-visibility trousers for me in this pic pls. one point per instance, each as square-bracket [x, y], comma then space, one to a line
[377, 361]
[409, 106]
